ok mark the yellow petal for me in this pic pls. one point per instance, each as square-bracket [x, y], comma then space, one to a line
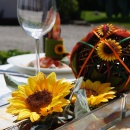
[51, 78]
[21, 88]
[55, 102]
[95, 85]
[58, 109]
[34, 117]
[16, 99]
[50, 87]
[18, 94]
[61, 86]
[32, 84]
[41, 79]
[25, 113]
[64, 102]
[18, 104]
[12, 110]
[28, 90]
[88, 84]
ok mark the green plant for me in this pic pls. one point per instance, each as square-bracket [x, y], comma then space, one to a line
[67, 9]
[4, 55]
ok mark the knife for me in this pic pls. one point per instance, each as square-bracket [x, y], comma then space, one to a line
[4, 99]
[14, 73]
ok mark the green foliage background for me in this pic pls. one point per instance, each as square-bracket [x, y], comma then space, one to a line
[4, 55]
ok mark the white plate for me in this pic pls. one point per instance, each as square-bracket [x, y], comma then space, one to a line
[21, 62]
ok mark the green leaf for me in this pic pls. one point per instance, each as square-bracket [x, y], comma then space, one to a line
[74, 63]
[11, 83]
[81, 104]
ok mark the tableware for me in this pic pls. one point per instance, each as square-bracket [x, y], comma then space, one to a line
[13, 73]
[4, 98]
[37, 18]
[21, 61]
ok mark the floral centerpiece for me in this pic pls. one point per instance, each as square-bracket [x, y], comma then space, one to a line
[104, 55]
[100, 63]
[47, 103]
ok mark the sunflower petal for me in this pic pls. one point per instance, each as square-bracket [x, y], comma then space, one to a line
[98, 92]
[34, 117]
[51, 78]
[25, 113]
[32, 84]
[41, 80]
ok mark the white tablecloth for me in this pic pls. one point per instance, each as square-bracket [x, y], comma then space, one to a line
[10, 67]
[3, 88]
[6, 119]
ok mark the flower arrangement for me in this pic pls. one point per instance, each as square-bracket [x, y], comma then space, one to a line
[104, 55]
[100, 62]
[45, 102]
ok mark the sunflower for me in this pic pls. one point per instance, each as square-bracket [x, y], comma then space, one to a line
[105, 53]
[40, 97]
[97, 92]
[59, 49]
[105, 29]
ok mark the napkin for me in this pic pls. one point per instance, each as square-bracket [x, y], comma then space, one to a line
[5, 92]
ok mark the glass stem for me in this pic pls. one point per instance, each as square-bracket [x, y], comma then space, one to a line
[37, 56]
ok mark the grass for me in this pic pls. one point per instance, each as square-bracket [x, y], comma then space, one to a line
[100, 17]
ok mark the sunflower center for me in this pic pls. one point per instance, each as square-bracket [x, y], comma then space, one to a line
[39, 99]
[90, 92]
[107, 50]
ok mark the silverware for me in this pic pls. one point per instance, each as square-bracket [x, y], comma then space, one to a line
[13, 73]
[4, 98]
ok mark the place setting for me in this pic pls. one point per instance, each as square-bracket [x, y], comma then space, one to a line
[26, 64]
[86, 88]
[55, 58]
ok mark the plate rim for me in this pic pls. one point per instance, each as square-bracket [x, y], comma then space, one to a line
[47, 70]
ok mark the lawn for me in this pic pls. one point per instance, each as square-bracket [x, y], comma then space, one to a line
[100, 17]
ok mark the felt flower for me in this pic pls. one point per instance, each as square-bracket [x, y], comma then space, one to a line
[56, 30]
[59, 49]
[105, 29]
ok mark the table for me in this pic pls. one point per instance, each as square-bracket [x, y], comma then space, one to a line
[7, 120]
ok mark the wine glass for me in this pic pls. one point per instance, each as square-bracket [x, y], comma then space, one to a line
[37, 18]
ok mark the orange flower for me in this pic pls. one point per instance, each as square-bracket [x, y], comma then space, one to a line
[56, 30]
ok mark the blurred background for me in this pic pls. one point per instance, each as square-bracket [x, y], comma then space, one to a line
[78, 17]
[89, 11]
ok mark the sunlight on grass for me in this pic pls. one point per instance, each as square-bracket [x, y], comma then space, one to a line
[91, 15]
[100, 17]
